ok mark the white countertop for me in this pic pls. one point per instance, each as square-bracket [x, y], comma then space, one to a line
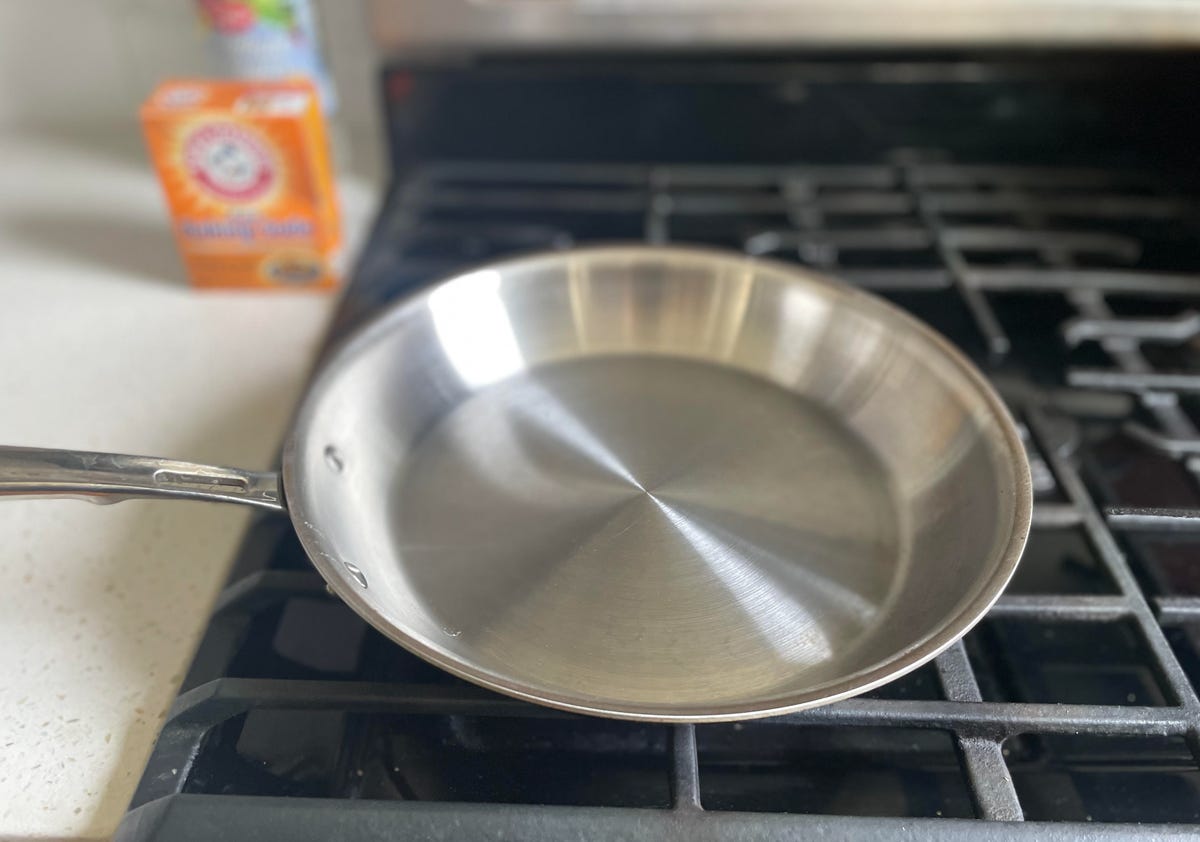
[104, 347]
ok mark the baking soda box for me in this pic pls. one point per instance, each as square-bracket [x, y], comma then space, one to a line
[246, 170]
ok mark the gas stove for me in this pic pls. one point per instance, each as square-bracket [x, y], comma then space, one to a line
[1030, 208]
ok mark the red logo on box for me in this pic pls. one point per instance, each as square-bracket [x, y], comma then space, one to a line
[229, 161]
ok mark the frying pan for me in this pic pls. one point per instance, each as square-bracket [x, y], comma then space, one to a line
[652, 483]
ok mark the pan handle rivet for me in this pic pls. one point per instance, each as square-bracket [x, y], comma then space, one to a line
[357, 574]
[334, 459]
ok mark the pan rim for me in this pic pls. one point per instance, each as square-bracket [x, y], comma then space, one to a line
[1003, 563]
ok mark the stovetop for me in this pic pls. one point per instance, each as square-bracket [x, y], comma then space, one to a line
[1074, 702]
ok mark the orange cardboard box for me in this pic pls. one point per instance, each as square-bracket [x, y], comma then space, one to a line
[246, 170]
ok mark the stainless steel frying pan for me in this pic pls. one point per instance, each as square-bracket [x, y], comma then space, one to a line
[650, 483]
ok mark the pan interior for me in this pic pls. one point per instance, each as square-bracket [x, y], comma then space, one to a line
[655, 482]
[696, 531]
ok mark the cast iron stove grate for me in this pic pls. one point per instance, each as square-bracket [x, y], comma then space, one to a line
[1074, 702]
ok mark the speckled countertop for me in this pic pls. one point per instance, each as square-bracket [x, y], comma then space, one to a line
[103, 347]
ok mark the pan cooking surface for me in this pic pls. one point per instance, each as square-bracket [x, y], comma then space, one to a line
[649, 528]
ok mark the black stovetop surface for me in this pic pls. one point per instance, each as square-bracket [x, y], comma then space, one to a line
[1071, 280]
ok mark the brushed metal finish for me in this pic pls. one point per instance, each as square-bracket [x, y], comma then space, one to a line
[644, 482]
[111, 477]
[659, 483]
[402, 26]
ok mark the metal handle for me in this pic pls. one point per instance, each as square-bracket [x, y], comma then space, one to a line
[111, 477]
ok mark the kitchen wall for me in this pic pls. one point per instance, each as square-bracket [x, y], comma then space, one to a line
[70, 65]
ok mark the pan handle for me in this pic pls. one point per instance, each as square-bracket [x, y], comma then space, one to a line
[111, 477]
